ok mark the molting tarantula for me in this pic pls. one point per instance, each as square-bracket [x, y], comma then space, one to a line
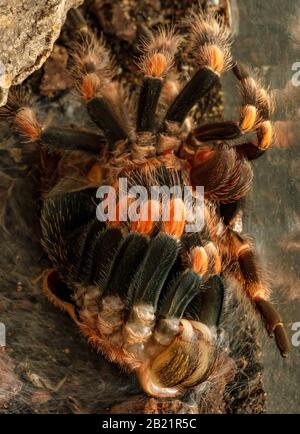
[147, 293]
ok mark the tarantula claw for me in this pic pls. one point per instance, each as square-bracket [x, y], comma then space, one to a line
[182, 363]
[282, 340]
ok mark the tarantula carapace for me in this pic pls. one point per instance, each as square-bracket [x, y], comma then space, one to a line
[147, 293]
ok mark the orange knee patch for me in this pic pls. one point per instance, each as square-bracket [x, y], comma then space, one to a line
[248, 117]
[89, 86]
[175, 222]
[199, 260]
[265, 134]
[149, 215]
[27, 124]
[156, 65]
[143, 227]
[213, 56]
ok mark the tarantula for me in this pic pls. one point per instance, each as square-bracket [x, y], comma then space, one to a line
[147, 293]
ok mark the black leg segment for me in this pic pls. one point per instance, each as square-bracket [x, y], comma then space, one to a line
[180, 294]
[69, 139]
[198, 86]
[148, 100]
[148, 282]
[125, 264]
[103, 116]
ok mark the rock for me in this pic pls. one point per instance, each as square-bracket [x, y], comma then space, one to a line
[28, 30]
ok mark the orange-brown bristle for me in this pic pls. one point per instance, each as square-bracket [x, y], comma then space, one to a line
[257, 290]
[202, 156]
[266, 101]
[149, 214]
[27, 124]
[94, 175]
[89, 86]
[199, 260]
[214, 258]
[156, 65]
[250, 87]
[162, 40]
[248, 117]
[243, 249]
[265, 134]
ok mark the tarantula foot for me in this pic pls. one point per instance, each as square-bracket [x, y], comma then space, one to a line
[55, 289]
[274, 325]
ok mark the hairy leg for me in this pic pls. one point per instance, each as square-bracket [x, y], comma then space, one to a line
[244, 266]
